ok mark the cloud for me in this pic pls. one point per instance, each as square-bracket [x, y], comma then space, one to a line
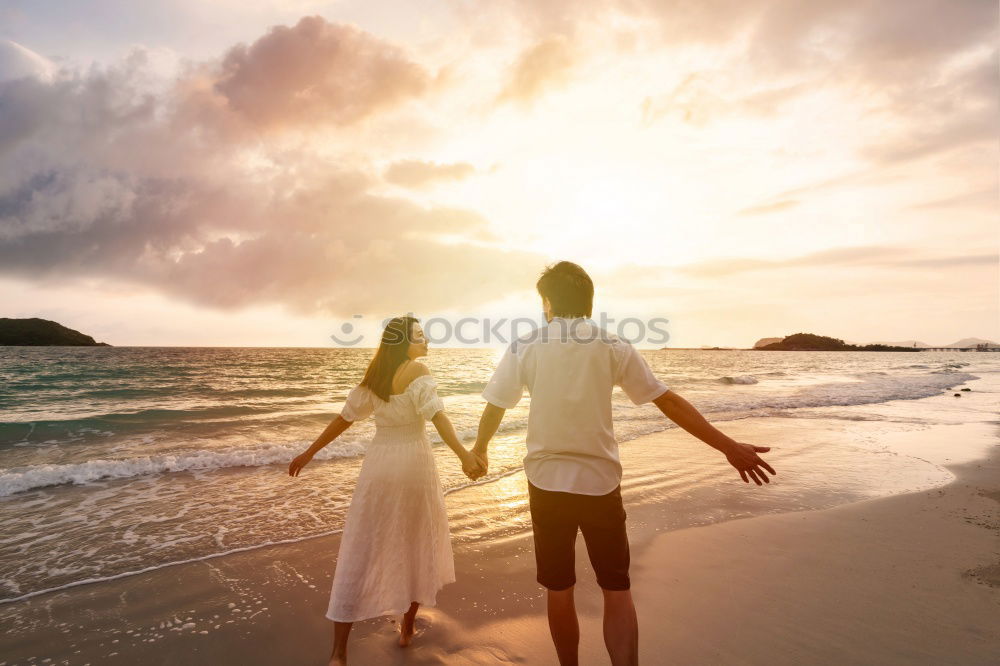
[881, 39]
[951, 111]
[886, 257]
[922, 73]
[332, 247]
[988, 198]
[544, 65]
[195, 191]
[415, 173]
[18, 62]
[312, 73]
[708, 95]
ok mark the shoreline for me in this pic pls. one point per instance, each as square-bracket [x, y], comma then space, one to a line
[773, 604]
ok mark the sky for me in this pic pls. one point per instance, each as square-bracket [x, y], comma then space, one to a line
[259, 173]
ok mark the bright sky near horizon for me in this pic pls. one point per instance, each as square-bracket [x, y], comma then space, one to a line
[257, 172]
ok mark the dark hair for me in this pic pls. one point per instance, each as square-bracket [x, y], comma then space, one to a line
[389, 356]
[569, 289]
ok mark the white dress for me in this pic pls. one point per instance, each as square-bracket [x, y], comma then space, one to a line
[395, 548]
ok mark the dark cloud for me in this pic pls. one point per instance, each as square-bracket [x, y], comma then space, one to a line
[331, 247]
[102, 178]
[317, 73]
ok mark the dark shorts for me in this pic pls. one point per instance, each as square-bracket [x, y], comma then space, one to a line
[555, 518]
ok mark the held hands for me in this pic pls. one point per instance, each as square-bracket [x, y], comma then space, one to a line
[745, 459]
[474, 464]
[298, 463]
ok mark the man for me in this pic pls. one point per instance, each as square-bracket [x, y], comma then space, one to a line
[570, 368]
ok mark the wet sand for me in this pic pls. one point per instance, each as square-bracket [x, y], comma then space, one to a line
[912, 578]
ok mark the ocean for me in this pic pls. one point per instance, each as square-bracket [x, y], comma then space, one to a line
[119, 460]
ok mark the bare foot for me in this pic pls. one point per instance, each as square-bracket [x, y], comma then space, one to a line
[405, 631]
[338, 661]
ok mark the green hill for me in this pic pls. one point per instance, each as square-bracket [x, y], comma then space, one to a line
[36, 332]
[812, 342]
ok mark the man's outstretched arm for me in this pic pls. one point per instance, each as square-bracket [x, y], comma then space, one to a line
[741, 456]
[488, 425]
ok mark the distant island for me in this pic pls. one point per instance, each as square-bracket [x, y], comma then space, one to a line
[704, 348]
[36, 332]
[810, 342]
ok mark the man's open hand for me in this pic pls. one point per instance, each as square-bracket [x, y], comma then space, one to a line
[745, 459]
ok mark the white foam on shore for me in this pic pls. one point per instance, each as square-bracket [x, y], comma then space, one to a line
[202, 558]
[18, 480]
[739, 379]
[21, 479]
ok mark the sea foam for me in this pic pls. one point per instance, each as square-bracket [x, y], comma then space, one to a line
[21, 479]
[739, 379]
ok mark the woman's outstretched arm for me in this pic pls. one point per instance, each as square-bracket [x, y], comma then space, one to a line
[337, 426]
[470, 465]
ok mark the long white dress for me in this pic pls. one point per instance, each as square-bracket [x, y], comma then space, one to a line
[395, 548]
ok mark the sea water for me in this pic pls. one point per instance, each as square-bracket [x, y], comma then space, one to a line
[118, 460]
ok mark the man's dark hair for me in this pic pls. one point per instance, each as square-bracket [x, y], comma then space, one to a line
[569, 289]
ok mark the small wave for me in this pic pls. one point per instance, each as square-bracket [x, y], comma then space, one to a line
[209, 556]
[739, 379]
[17, 480]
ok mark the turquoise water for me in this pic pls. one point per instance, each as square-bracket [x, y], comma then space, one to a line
[116, 460]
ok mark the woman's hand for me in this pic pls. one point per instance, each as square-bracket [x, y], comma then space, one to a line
[300, 461]
[471, 465]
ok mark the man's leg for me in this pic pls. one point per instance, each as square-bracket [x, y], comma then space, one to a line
[563, 626]
[621, 628]
[554, 533]
[607, 546]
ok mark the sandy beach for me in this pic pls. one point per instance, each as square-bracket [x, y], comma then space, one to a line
[270, 270]
[910, 578]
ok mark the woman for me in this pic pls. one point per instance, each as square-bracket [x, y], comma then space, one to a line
[395, 551]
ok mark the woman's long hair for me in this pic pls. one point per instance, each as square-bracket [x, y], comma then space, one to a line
[389, 356]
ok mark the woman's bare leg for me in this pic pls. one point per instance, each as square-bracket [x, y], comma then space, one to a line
[341, 630]
[406, 627]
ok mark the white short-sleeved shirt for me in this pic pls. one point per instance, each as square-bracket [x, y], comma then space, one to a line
[570, 369]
